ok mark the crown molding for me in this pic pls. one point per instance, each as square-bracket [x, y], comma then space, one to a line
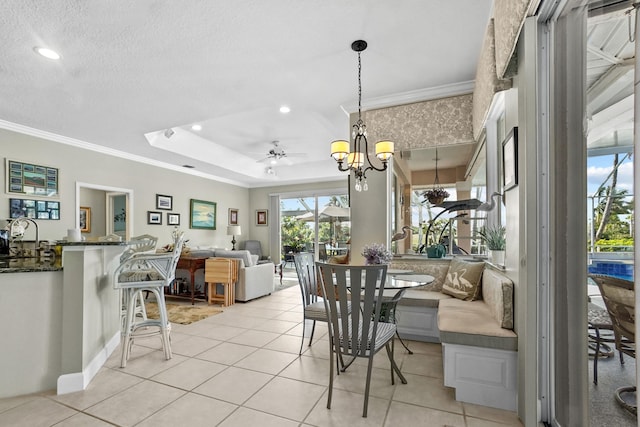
[110, 152]
[411, 97]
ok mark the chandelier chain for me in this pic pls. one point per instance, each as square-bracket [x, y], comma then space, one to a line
[359, 88]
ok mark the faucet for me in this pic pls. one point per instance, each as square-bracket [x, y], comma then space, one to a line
[18, 226]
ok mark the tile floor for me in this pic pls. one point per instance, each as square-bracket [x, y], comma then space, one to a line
[242, 367]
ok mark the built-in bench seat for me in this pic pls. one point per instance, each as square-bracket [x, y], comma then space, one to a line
[478, 342]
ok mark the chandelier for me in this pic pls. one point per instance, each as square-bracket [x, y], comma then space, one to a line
[355, 159]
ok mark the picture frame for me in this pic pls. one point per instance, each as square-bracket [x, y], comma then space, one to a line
[262, 217]
[35, 209]
[202, 215]
[30, 179]
[173, 218]
[85, 219]
[510, 160]
[233, 216]
[164, 202]
[154, 217]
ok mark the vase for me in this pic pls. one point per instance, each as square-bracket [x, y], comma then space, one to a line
[435, 251]
[496, 257]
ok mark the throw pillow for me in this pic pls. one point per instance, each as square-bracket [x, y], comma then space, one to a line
[463, 280]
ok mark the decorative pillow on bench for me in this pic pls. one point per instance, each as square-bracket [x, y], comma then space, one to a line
[463, 280]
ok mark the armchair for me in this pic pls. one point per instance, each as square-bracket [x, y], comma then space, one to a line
[255, 248]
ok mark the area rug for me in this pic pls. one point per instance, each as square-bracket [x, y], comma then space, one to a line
[181, 313]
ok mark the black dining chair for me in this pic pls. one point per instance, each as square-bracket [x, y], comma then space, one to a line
[358, 333]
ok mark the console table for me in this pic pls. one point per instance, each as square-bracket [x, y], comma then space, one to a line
[191, 263]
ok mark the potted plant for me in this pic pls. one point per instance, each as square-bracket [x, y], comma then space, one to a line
[436, 195]
[496, 241]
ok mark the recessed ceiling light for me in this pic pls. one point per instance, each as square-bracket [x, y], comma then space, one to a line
[196, 127]
[284, 109]
[47, 53]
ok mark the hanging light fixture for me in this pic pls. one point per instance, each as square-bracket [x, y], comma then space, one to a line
[355, 159]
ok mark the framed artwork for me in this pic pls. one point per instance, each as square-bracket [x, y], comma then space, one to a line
[233, 216]
[85, 219]
[202, 215]
[510, 160]
[31, 179]
[154, 217]
[262, 217]
[164, 202]
[173, 219]
[35, 209]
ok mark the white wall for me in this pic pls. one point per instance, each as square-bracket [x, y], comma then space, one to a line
[79, 165]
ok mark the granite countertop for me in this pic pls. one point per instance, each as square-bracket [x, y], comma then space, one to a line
[26, 265]
[89, 243]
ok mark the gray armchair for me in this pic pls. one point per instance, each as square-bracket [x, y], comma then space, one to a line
[255, 248]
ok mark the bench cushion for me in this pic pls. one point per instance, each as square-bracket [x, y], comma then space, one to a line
[463, 280]
[418, 298]
[472, 323]
[497, 293]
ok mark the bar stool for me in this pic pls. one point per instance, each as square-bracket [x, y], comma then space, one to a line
[222, 271]
[146, 272]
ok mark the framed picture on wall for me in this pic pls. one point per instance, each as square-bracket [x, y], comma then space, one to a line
[262, 217]
[173, 218]
[233, 216]
[85, 219]
[164, 202]
[31, 179]
[202, 215]
[510, 160]
[154, 217]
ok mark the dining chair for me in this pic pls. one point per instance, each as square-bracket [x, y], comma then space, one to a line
[313, 308]
[142, 272]
[619, 298]
[358, 333]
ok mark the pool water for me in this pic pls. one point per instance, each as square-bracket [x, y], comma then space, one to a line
[615, 269]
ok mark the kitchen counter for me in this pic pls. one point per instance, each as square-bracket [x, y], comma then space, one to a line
[28, 265]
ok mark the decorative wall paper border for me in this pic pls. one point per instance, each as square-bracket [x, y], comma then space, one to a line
[487, 82]
[445, 121]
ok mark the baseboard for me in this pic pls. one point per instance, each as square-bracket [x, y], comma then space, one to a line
[78, 381]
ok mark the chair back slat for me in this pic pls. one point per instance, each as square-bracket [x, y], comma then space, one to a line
[307, 277]
[353, 334]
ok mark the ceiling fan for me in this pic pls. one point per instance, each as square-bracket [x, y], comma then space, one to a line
[277, 153]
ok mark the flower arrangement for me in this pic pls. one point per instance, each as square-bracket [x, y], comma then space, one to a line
[436, 195]
[376, 253]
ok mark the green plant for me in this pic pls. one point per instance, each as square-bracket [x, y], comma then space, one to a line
[494, 237]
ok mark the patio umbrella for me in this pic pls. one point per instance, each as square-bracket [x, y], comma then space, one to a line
[328, 213]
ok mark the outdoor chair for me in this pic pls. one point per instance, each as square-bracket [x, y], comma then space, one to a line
[358, 333]
[142, 272]
[619, 298]
[288, 255]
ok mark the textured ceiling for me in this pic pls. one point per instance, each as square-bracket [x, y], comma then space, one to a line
[136, 68]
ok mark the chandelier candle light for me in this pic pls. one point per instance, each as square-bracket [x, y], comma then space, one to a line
[355, 159]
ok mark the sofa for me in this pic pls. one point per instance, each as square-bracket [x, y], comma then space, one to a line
[254, 280]
[475, 327]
